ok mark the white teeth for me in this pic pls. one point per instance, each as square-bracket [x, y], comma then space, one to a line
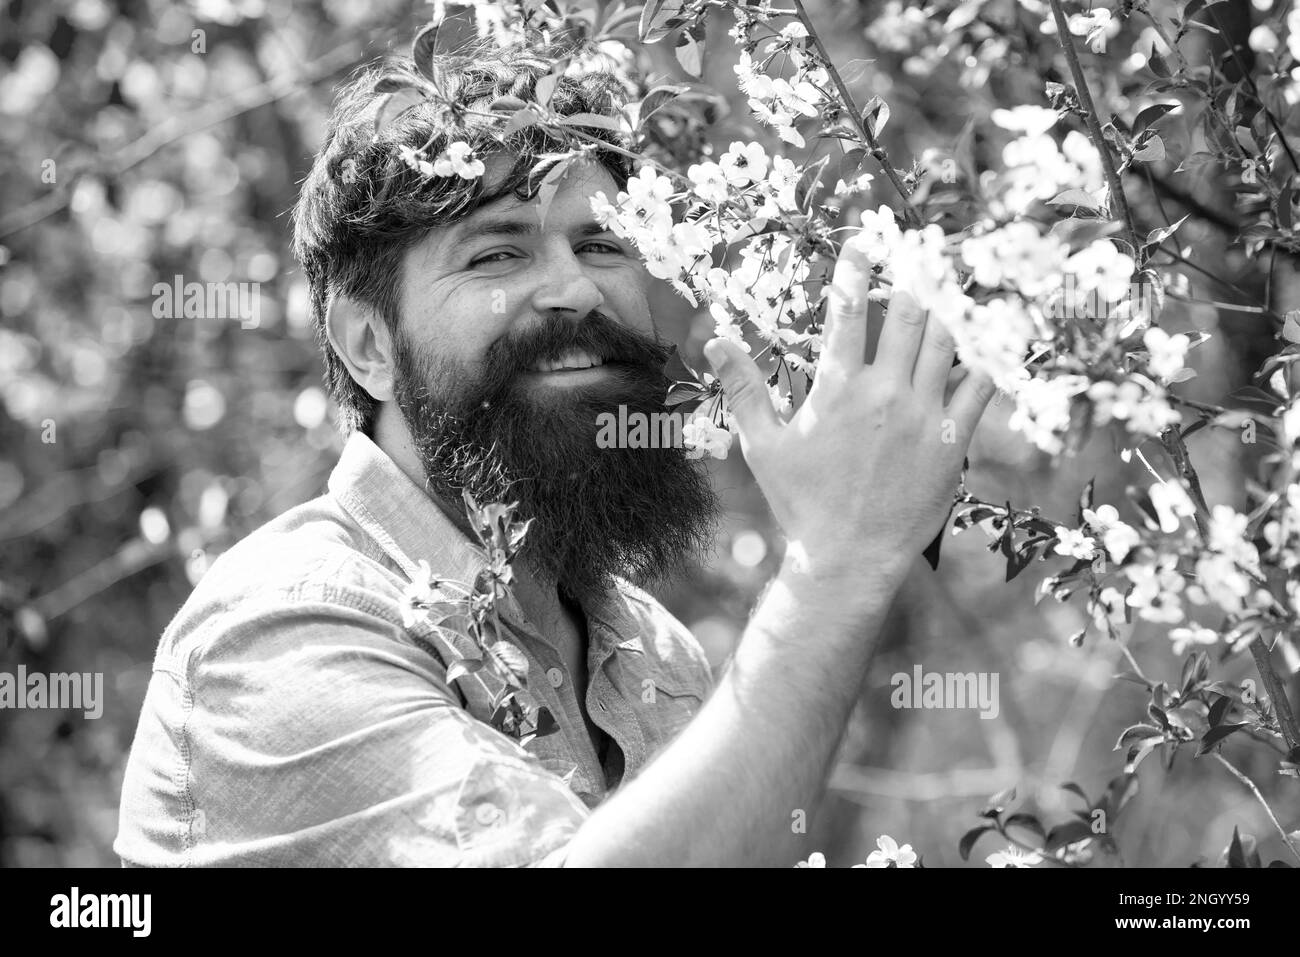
[575, 359]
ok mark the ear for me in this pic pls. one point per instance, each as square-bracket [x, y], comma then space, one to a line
[362, 341]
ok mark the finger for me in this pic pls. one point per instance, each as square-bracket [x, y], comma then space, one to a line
[900, 337]
[971, 398]
[846, 311]
[746, 391]
[934, 361]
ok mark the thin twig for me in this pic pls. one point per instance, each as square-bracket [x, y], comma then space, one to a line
[1255, 791]
[864, 130]
[1093, 124]
[1276, 692]
[1172, 440]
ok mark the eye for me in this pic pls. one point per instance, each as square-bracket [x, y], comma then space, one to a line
[501, 255]
[598, 246]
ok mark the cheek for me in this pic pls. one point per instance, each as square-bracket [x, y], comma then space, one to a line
[630, 301]
[464, 319]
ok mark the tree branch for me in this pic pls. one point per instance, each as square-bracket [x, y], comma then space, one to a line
[864, 130]
[1094, 125]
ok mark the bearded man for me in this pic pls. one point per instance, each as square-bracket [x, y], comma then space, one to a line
[299, 714]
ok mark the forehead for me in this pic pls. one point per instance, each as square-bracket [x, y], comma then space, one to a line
[569, 210]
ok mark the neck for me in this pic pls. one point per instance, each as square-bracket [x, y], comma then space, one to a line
[539, 599]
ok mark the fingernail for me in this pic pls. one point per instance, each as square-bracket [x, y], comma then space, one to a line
[714, 352]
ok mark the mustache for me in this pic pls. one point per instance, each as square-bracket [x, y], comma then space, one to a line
[552, 336]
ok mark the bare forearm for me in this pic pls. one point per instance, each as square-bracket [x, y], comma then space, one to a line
[725, 792]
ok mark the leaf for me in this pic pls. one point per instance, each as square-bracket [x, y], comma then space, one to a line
[1027, 821]
[599, 120]
[1151, 151]
[657, 98]
[690, 49]
[1217, 734]
[510, 657]
[1158, 65]
[463, 668]
[1076, 197]
[1158, 236]
[659, 18]
[1071, 832]
[1136, 755]
[1085, 499]
[1137, 732]
[1291, 326]
[1017, 562]
[545, 88]
[1080, 233]
[968, 840]
[545, 722]
[394, 105]
[1158, 713]
[1151, 115]
[391, 84]
[1247, 140]
[1075, 789]
[1242, 852]
[521, 120]
[423, 49]
[1134, 677]
[680, 392]
[875, 115]
[1219, 710]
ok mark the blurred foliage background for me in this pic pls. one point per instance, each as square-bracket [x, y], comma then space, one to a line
[134, 449]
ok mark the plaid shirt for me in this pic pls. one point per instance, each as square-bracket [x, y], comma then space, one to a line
[292, 719]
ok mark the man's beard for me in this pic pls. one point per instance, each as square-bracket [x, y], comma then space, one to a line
[597, 513]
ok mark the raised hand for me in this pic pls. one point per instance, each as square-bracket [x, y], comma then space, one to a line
[864, 472]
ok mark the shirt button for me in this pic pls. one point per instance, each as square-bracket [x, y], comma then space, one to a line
[555, 676]
[487, 814]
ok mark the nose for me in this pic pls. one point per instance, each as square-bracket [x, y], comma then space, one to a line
[566, 289]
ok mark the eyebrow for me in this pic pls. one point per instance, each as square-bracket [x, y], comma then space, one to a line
[519, 227]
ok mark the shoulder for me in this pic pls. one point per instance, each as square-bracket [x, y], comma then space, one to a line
[309, 576]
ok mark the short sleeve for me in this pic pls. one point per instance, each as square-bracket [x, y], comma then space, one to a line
[310, 731]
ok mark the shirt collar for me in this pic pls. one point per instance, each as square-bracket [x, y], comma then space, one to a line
[408, 525]
[400, 515]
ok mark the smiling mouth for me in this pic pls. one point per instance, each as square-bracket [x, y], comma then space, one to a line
[571, 361]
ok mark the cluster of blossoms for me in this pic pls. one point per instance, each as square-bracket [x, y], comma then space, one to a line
[890, 854]
[775, 101]
[767, 291]
[702, 436]
[1035, 168]
[457, 159]
[768, 287]
[1225, 570]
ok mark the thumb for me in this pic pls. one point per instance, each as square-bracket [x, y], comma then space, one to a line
[745, 388]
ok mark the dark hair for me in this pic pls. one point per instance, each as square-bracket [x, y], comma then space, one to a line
[363, 205]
